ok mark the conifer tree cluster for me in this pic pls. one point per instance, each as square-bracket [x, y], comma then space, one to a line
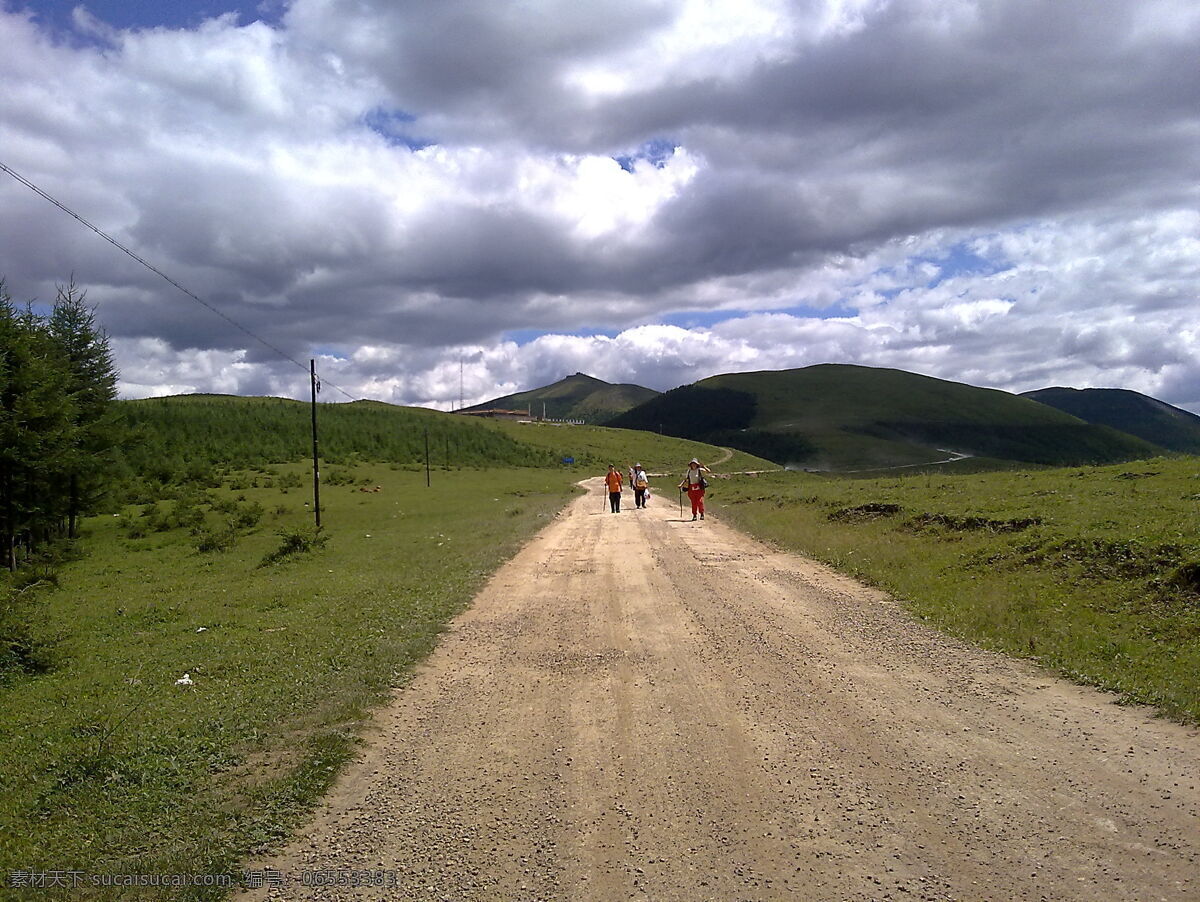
[58, 424]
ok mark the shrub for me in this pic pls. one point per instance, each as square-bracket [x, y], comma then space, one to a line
[1186, 577]
[293, 542]
[246, 516]
[872, 510]
[136, 529]
[190, 518]
[38, 574]
[20, 652]
[216, 538]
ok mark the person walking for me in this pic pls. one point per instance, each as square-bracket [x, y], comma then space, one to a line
[694, 484]
[613, 483]
[641, 486]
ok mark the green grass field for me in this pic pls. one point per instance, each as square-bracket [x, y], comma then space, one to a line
[1094, 572]
[110, 767]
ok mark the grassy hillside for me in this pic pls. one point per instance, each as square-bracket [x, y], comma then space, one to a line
[189, 437]
[1094, 572]
[578, 397]
[593, 447]
[837, 417]
[1131, 412]
[173, 437]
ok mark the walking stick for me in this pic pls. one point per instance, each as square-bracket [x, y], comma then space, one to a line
[681, 502]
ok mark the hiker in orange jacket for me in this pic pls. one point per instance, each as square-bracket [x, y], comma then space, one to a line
[613, 483]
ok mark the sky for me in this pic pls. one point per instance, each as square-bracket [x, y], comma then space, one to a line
[457, 199]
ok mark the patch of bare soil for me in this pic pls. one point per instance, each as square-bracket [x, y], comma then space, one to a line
[642, 707]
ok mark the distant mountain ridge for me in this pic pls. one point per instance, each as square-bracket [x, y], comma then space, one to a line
[841, 417]
[1129, 411]
[577, 397]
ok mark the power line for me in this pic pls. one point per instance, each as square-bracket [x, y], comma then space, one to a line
[154, 269]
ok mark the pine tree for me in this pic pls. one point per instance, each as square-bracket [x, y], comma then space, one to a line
[37, 428]
[92, 386]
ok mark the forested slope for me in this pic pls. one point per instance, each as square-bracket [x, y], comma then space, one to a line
[189, 433]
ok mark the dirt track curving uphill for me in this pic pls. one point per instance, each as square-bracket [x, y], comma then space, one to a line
[638, 707]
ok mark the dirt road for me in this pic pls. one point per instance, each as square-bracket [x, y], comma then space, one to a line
[639, 707]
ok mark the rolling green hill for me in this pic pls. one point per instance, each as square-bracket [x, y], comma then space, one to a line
[1131, 412]
[578, 397]
[182, 438]
[840, 417]
[189, 431]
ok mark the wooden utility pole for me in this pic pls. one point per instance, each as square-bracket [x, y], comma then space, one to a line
[312, 372]
[427, 483]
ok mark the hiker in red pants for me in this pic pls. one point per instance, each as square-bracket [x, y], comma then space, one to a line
[695, 484]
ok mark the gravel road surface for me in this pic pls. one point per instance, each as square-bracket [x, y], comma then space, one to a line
[642, 707]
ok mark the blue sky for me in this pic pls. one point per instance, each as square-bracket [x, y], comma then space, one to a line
[150, 13]
[959, 260]
[652, 191]
[656, 152]
[395, 127]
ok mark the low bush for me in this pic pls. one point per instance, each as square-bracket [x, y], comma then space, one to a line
[216, 538]
[293, 542]
[20, 651]
[247, 516]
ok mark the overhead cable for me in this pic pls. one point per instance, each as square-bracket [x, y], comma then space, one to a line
[154, 269]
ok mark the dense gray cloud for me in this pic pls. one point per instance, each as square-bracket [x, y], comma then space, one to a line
[994, 192]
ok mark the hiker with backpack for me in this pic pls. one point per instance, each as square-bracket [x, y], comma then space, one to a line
[694, 484]
[641, 485]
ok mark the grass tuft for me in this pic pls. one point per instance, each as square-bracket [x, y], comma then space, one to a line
[860, 512]
[293, 542]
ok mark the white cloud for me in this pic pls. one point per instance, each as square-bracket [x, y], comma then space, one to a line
[998, 193]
